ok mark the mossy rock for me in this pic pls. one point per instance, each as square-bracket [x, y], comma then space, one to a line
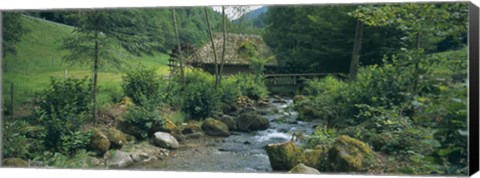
[116, 137]
[303, 169]
[166, 126]
[316, 158]
[99, 142]
[307, 113]
[128, 128]
[348, 154]
[126, 102]
[14, 162]
[251, 121]
[215, 127]
[284, 156]
[230, 121]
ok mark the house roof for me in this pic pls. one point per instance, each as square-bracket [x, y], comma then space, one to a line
[233, 54]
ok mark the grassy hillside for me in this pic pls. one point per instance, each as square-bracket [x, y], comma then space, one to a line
[38, 59]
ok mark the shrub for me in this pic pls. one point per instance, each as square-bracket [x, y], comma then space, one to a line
[15, 142]
[327, 100]
[250, 87]
[60, 110]
[200, 98]
[144, 117]
[142, 81]
[230, 90]
[80, 159]
[321, 136]
[65, 96]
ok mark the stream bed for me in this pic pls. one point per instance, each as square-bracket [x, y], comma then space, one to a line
[240, 152]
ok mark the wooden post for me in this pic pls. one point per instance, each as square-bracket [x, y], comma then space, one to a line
[11, 100]
[66, 73]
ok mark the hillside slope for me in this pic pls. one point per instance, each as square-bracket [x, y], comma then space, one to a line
[38, 59]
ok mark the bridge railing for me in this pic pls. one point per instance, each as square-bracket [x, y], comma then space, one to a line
[299, 78]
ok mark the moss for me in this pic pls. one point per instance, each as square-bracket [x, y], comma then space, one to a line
[215, 127]
[251, 121]
[116, 138]
[99, 142]
[349, 154]
[14, 162]
[284, 156]
[126, 102]
[316, 158]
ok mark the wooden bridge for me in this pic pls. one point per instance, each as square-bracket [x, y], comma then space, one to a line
[296, 79]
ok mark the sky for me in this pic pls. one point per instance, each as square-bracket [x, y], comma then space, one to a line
[234, 12]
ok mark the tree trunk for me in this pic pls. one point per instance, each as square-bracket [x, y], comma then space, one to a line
[357, 45]
[95, 70]
[180, 57]
[417, 66]
[224, 45]
[213, 48]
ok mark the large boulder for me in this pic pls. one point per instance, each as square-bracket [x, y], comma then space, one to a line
[14, 162]
[283, 156]
[166, 126]
[302, 169]
[130, 129]
[99, 142]
[316, 158]
[117, 138]
[215, 127]
[165, 140]
[251, 121]
[229, 121]
[349, 154]
[118, 159]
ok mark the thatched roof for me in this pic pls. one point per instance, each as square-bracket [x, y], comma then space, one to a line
[233, 50]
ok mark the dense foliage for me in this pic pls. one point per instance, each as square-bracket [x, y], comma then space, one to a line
[61, 110]
[423, 131]
[320, 38]
[141, 82]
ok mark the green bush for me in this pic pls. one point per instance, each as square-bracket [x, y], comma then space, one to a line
[142, 81]
[251, 87]
[66, 96]
[60, 110]
[144, 117]
[230, 90]
[200, 98]
[327, 101]
[15, 142]
[80, 159]
[321, 136]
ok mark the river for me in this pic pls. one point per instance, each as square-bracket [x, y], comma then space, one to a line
[240, 152]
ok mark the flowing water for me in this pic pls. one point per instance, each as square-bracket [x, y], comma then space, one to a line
[240, 152]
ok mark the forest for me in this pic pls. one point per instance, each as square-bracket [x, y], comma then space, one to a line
[370, 89]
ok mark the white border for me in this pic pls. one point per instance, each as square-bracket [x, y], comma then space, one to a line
[76, 4]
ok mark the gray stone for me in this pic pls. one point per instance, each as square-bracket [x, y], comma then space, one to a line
[142, 157]
[119, 159]
[230, 121]
[165, 140]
